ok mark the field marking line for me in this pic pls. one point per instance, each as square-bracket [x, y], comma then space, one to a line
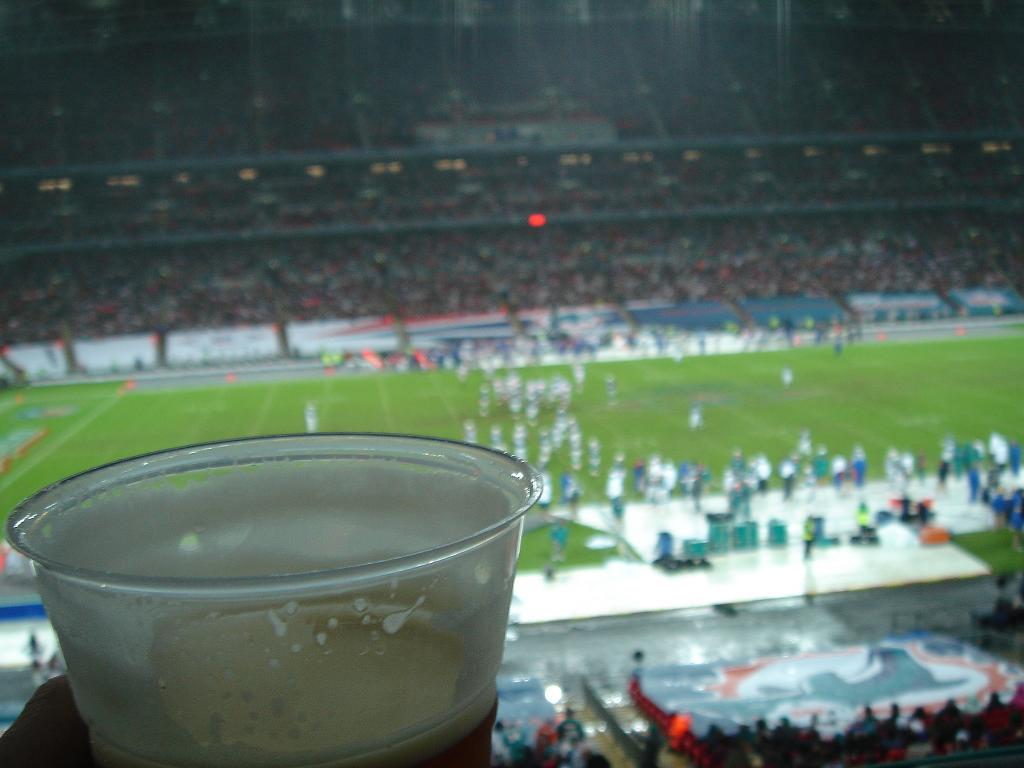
[1009, 400]
[22, 468]
[444, 398]
[200, 423]
[261, 414]
[385, 402]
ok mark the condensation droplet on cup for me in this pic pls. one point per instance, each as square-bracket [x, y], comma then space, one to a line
[332, 623]
[482, 573]
[367, 620]
[321, 638]
[296, 647]
[395, 621]
[273, 663]
[360, 604]
[280, 627]
[291, 607]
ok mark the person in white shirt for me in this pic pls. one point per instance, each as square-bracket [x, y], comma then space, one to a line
[787, 377]
[615, 490]
[594, 456]
[610, 388]
[804, 445]
[312, 419]
[946, 459]
[544, 502]
[763, 469]
[787, 471]
[469, 431]
[653, 487]
[669, 477]
[497, 438]
[838, 471]
[893, 468]
[999, 448]
[907, 467]
[696, 417]
[579, 375]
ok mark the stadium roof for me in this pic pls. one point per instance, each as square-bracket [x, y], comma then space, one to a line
[96, 23]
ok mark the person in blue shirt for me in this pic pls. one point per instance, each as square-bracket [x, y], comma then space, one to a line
[1015, 457]
[559, 540]
[639, 472]
[1016, 517]
[570, 493]
[860, 466]
[973, 483]
[1001, 507]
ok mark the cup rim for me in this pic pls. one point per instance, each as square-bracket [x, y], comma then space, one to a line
[522, 475]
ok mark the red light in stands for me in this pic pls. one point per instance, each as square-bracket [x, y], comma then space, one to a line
[536, 220]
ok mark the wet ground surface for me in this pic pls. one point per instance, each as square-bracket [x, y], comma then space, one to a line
[601, 649]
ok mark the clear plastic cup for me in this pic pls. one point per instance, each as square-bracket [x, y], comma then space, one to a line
[310, 600]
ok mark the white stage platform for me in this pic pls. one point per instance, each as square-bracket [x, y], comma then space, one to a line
[623, 587]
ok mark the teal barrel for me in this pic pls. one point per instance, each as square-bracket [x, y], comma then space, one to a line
[718, 537]
[777, 535]
[753, 534]
[695, 549]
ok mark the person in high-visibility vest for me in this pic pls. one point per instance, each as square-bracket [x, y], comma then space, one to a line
[808, 536]
[864, 519]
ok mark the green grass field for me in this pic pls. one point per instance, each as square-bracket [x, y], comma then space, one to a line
[995, 548]
[907, 395]
[536, 549]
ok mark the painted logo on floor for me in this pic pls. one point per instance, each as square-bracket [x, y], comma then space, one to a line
[48, 412]
[920, 670]
[17, 443]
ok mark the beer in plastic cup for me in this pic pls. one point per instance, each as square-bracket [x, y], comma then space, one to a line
[315, 600]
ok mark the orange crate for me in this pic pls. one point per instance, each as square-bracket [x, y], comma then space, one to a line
[931, 534]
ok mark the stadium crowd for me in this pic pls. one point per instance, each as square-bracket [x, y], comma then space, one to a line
[119, 291]
[876, 737]
[560, 743]
[507, 187]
